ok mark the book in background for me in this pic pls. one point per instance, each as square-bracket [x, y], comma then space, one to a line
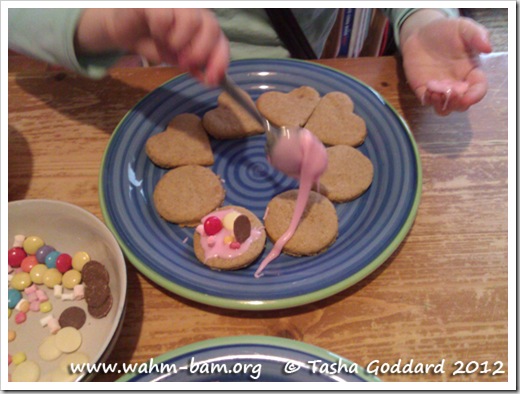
[358, 32]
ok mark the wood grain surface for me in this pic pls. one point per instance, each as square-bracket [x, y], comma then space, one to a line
[442, 295]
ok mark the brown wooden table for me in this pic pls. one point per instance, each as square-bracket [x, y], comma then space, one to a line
[443, 295]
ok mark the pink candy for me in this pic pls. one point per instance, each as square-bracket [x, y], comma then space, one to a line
[79, 292]
[32, 297]
[31, 289]
[35, 306]
[53, 325]
[41, 295]
[20, 317]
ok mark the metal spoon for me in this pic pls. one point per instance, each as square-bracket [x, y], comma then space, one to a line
[273, 133]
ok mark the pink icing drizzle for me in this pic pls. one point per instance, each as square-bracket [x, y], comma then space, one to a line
[446, 87]
[214, 245]
[306, 160]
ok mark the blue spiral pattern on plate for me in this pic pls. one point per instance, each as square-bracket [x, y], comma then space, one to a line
[368, 226]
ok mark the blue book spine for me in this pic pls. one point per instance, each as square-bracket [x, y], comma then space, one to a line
[346, 31]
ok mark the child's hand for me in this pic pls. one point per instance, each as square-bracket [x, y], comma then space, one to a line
[440, 59]
[190, 38]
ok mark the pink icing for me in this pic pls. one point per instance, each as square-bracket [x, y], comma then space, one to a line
[305, 158]
[214, 245]
[447, 87]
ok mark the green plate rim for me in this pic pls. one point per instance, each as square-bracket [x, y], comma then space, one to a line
[292, 344]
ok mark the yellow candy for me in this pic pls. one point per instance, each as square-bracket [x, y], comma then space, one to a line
[228, 239]
[45, 307]
[229, 219]
[52, 277]
[10, 312]
[71, 278]
[21, 280]
[12, 335]
[37, 273]
[19, 358]
[32, 244]
[79, 260]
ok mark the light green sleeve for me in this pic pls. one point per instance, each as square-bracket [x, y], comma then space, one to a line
[397, 16]
[48, 34]
[251, 34]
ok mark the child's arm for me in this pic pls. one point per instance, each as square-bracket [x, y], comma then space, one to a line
[190, 38]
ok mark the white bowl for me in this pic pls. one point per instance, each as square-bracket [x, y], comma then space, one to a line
[69, 229]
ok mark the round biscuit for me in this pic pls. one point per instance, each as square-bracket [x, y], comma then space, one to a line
[318, 227]
[185, 194]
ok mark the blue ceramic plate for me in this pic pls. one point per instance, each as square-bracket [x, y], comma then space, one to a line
[370, 228]
[251, 359]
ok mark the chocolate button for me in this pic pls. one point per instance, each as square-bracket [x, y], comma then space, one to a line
[73, 317]
[242, 228]
[96, 293]
[94, 271]
[102, 310]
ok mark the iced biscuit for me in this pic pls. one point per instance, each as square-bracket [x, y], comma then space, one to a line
[183, 142]
[229, 238]
[185, 194]
[348, 175]
[230, 120]
[288, 109]
[334, 122]
[316, 231]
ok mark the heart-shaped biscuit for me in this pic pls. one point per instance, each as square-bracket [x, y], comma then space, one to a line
[334, 122]
[183, 142]
[288, 109]
[229, 120]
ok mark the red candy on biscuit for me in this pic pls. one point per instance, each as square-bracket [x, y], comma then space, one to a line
[212, 225]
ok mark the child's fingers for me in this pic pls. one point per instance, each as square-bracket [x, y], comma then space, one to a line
[477, 88]
[438, 102]
[475, 36]
[160, 22]
[186, 25]
[218, 62]
[203, 43]
[421, 93]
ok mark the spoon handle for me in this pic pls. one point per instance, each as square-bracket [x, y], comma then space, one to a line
[229, 86]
